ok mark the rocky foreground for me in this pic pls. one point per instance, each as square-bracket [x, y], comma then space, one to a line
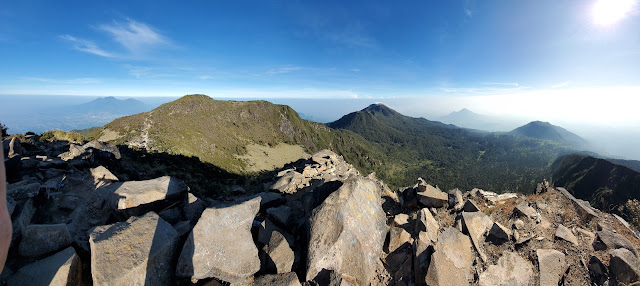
[317, 223]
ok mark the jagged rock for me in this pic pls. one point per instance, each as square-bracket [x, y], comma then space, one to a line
[398, 237]
[626, 224]
[542, 187]
[24, 189]
[283, 279]
[347, 231]
[624, 266]
[596, 267]
[511, 270]
[40, 239]
[518, 224]
[289, 182]
[455, 199]
[221, 245]
[76, 151]
[280, 215]
[277, 256]
[401, 220]
[15, 149]
[134, 252]
[107, 150]
[564, 233]
[470, 206]
[22, 220]
[193, 208]
[404, 271]
[476, 224]
[266, 229]
[138, 197]
[269, 199]
[552, 265]
[498, 234]
[408, 198]
[423, 249]
[451, 262]
[586, 235]
[102, 173]
[171, 215]
[426, 222]
[523, 209]
[584, 208]
[61, 269]
[430, 197]
[606, 239]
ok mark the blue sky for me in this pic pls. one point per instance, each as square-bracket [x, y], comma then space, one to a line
[313, 49]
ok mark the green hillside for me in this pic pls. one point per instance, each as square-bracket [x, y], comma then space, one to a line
[548, 131]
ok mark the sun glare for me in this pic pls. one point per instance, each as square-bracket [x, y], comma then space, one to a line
[609, 12]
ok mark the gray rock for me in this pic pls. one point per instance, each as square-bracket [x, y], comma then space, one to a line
[523, 209]
[518, 224]
[138, 197]
[452, 259]
[289, 182]
[61, 269]
[171, 215]
[107, 150]
[476, 224]
[431, 197]
[470, 206]
[347, 231]
[102, 173]
[40, 239]
[135, 252]
[423, 249]
[280, 215]
[68, 203]
[401, 220]
[284, 279]
[511, 270]
[269, 199]
[596, 266]
[583, 207]
[455, 199]
[221, 246]
[22, 220]
[76, 151]
[398, 237]
[498, 234]
[564, 233]
[552, 265]
[266, 229]
[626, 224]
[277, 256]
[193, 208]
[426, 222]
[624, 266]
[15, 149]
[606, 239]
[23, 190]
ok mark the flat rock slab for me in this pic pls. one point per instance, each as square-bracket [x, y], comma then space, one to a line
[523, 209]
[476, 224]
[138, 197]
[277, 256]
[347, 231]
[431, 197]
[564, 233]
[284, 279]
[552, 265]
[40, 239]
[498, 234]
[451, 262]
[221, 246]
[426, 222]
[61, 269]
[134, 252]
[624, 266]
[511, 270]
[584, 209]
[606, 239]
[102, 173]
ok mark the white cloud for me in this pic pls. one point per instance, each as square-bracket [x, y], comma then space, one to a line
[87, 46]
[135, 36]
[562, 84]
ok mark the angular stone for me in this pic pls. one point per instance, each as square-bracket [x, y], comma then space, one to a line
[289, 182]
[134, 252]
[280, 215]
[584, 208]
[401, 220]
[470, 206]
[171, 215]
[269, 200]
[607, 239]
[40, 239]
[347, 231]
[431, 197]
[552, 265]
[15, 149]
[626, 224]
[624, 266]
[61, 269]
[523, 209]
[23, 190]
[22, 220]
[476, 224]
[102, 173]
[106, 150]
[221, 245]
[518, 224]
[564, 233]
[284, 279]
[138, 197]
[455, 199]
[193, 208]
[426, 222]
[423, 249]
[452, 259]
[398, 237]
[278, 256]
[597, 267]
[498, 234]
[511, 270]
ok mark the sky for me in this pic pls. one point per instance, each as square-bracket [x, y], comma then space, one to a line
[561, 60]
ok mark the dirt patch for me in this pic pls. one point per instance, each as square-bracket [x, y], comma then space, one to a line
[265, 158]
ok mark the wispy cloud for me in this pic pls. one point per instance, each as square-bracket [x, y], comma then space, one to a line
[508, 84]
[559, 85]
[135, 36]
[83, 80]
[140, 72]
[354, 70]
[206, 77]
[283, 70]
[468, 12]
[87, 46]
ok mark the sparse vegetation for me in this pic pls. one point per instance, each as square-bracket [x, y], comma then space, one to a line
[61, 135]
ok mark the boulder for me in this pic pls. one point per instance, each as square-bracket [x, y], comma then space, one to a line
[15, 149]
[451, 262]
[426, 222]
[398, 237]
[284, 279]
[455, 199]
[347, 231]
[597, 270]
[24, 189]
[498, 234]
[40, 239]
[523, 209]
[193, 208]
[476, 224]
[289, 181]
[511, 270]
[552, 266]
[61, 269]
[266, 229]
[431, 197]
[134, 252]
[277, 256]
[423, 249]
[470, 206]
[102, 173]
[22, 220]
[518, 224]
[269, 199]
[586, 211]
[563, 232]
[138, 197]
[76, 151]
[171, 215]
[220, 245]
[280, 215]
[606, 239]
[106, 150]
[400, 220]
[624, 266]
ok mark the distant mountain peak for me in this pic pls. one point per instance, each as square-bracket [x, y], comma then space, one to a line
[547, 131]
[380, 108]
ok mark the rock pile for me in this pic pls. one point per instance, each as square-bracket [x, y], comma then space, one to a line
[320, 223]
